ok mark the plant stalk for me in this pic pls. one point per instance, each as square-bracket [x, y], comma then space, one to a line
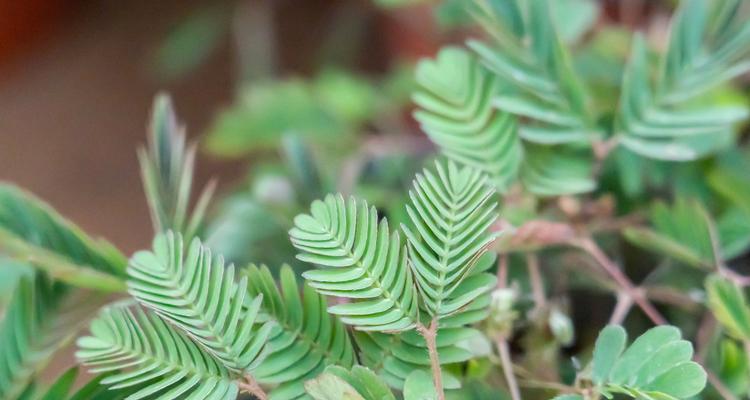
[430, 336]
[251, 386]
[501, 342]
[590, 247]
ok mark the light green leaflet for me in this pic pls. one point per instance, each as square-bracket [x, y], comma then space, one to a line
[359, 258]
[451, 211]
[197, 293]
[657, 365]
[305, 338]
[359, 383]
[42, 318]
[145, 349]
[729, 304]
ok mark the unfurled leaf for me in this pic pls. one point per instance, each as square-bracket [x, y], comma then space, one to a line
[360, 259]
[338, 383]
[451, 211]
[31, 230]
[143, 348]
[167, 173]
[457, 113]
[729, 305]
[419, 386]
[193, 290]
[656, 365]
[305, 338]
[682, 232]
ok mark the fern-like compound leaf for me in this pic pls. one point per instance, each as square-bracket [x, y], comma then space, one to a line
[31, 229]
[451, 211]
[667, 120]
[167, 173]
[360, 259]
[535, 67]
[196, 292]
[455, 98]
[305, 338]
[145, 350]
[657, 365]
[41, 318]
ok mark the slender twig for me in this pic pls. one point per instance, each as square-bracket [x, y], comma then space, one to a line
[501, 341]
[430, 335]
[505, 360]
[589, 246]
[622, 308]
[535, 278]
[251, 386]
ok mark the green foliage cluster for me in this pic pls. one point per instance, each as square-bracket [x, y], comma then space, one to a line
[581, 168]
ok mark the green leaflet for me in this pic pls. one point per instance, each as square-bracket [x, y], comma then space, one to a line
[458, 115]
[29, 228]
[146, 350]
[451, 211]
[681, 231]
[656, 365]
[360, 259]
[305, 338]
[338, 383]
[667, 120]
[419, 386]
[729, 305]
[41, 318]
[197, 293]
[167, 173]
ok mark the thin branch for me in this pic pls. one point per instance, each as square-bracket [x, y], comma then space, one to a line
[537, 283]
[430, 337]
[622, 308]
[501, 341]
[589, 246]
[251, 386]
[505, 360]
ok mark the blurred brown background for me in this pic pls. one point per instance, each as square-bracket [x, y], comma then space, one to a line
[77, 79]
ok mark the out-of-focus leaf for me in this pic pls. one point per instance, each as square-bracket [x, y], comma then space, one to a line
[348, 97]
[265, 112]
[552, 171]
[657, 365]
[338, 383]
[190, 43]
[729, 305]
[681, 231]
[32, 230]
[245, 231]
[419, 386]
[61, 386]
[573, 18]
